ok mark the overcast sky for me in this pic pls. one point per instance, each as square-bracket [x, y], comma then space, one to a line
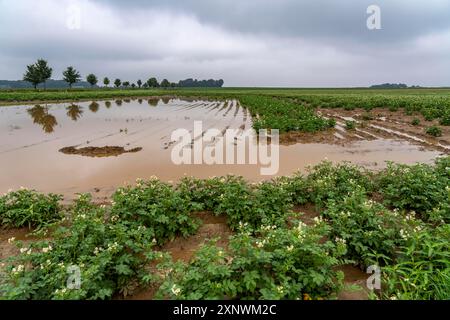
[296, 43]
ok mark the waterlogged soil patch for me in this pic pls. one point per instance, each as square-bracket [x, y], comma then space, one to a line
[98, 152]
[384, 124]
[355, 284]
[183, 249]
[8, 248]
[308, 212]
[330, 136]
[212, 227]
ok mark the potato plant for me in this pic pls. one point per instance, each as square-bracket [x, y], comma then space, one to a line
[372, 232]
[396, 218]
[422, 270]
[28, 208]
[279, 263]
[420, 188]
[108, 254]
[157, 206]
[284, 115]
[327, 181]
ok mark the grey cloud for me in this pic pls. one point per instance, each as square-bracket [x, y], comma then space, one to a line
[346, 19]
[248, 43]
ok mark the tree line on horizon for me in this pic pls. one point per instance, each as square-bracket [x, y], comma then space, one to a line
[41, 72]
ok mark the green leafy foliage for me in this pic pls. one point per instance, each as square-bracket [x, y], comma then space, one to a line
[350, 125]
[107, 254]
[397, 218]
[38, 73]
[27, 208]
[419, 187]
[368, 228]
[327, 181]
[71, 76]
[157, 206]
[445, 119]
[434, 131]
[255, 204]
[283, 115]
[278, 264]
[422, 270]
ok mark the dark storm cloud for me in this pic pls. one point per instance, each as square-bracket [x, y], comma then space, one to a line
[401, 19]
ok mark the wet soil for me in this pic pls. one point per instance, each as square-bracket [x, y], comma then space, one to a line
[213, 227]
[183, 249]
[355, 287]
[385, 124]
[106, 151]
[307, 213]
[8, 249]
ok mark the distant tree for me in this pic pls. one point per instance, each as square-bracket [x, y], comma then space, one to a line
[44, 70]
[38, 73]
[191, 83]
[173, 84]
[106, 81]
[92, 79]
[165, 83]
[145, 85]
[71, 76]
[153, 83]
[133, 85]
[390, 86]
[126, 84]
[32, 75]
[139, 83]
[117, 83]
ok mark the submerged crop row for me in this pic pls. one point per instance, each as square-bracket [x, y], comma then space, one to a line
[397, 219]
[283, 109]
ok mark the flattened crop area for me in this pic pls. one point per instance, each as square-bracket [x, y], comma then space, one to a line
[385, 124]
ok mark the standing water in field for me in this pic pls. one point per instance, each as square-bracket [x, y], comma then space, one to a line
[97, 146]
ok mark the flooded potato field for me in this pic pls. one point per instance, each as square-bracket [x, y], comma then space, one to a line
[95, 147]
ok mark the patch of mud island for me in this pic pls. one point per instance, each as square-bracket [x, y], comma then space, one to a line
[98, 152]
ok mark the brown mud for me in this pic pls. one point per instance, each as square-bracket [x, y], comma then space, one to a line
[106, 151]
[183, 249]
[385, 124]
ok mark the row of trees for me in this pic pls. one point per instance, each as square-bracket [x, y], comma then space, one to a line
[193, 83]
[150, 83]
[40, 72]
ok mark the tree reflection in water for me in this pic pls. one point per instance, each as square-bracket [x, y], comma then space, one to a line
[74, 112]
[153, 102]
[41, 117]
[94, 106]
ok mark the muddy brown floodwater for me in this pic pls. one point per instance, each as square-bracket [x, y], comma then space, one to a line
[95, 147]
